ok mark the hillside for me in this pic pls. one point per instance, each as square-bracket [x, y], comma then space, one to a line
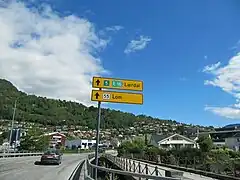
[45, 111]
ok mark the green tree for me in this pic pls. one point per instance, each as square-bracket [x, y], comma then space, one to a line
[219, 161]
[180, 129]
[34, 141]
[146, 139]
[3, 137]
[152, 152]
[135, 146]
[205, 143]
[41, 110]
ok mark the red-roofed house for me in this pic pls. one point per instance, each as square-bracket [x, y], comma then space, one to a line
[56, 138]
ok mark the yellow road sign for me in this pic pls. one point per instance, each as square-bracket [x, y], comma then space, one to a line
[114, 83]
[117, 97]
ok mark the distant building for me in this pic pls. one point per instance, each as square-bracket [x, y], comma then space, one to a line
[56, 138]
[220, 135]
[16, 135]
[72, 144]
[175, 141]
[80, 143]
[87, 144]
[233, 142]
[228, 127]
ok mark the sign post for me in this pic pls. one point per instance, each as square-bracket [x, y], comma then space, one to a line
[97, 136]
[113, 97]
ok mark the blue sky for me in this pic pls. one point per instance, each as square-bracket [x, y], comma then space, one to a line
[174, 47]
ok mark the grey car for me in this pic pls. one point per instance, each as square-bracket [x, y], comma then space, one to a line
[51, 157]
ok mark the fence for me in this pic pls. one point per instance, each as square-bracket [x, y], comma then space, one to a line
[148, 172]
[20, 154]
[218, 165]
[76, 174]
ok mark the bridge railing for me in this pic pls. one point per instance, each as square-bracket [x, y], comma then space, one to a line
[136, 166]
[20, 154]
[146, 173]
[88, 171]
[195, 171]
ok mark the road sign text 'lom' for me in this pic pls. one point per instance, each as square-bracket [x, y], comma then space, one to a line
[117, 97]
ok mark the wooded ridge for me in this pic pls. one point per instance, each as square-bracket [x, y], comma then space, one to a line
[31, 108]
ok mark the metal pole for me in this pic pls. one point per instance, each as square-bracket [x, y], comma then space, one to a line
[14, 111]
[98, 132]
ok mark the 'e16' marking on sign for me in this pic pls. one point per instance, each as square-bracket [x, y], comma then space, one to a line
[117, 83]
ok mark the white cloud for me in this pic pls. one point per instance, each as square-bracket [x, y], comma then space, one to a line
[212, 67]
[114, 28]
[48, 55]
[138, 44]
[228, 112]
[228, 79]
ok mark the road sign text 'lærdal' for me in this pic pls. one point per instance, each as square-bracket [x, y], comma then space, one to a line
[113, 83]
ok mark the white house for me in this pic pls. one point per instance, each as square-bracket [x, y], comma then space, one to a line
[176, 141]
[87, 144]
[80, 143]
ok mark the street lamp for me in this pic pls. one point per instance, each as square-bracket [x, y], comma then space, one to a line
[14, 112]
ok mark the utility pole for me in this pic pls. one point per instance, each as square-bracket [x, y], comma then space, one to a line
[14, 111]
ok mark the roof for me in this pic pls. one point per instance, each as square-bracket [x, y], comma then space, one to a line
[179, 136]
[193, 137]
[158, 137]
[237, 135]
[232, 125]
[53, 133]
[221, 132]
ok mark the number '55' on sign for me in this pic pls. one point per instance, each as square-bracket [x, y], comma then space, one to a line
[106, 96]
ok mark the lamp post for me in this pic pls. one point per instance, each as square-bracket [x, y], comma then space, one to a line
[13, 117]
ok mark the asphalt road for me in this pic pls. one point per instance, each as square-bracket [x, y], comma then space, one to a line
[23, 168]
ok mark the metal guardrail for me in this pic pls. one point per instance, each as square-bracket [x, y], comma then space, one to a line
[20, 154]
[90, 169]
[136, 166]
[86, 169]
[196, 171]
[77, 171]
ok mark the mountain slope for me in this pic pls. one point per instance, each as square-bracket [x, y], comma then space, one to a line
[45, 111]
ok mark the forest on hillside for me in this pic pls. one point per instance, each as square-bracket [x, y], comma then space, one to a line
[31, 108]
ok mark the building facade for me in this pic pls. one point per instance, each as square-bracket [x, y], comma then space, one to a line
[56, 138]
[83, 144]
[224, 136]
[233, 142]
[16, 136]
[175, 141]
